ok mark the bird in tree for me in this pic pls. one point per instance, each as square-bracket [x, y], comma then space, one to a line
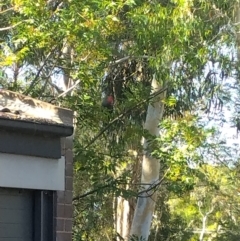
[108, 102]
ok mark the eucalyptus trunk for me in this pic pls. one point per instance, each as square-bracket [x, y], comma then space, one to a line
[124, 207]
[150, 170]
[236, 20]
[123, 218]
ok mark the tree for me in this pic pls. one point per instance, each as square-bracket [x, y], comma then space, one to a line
[120, 49]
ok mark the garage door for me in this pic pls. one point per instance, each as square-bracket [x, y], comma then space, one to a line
[16, 215]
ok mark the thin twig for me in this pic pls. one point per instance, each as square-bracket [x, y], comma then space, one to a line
[91, 192]
[152, 187]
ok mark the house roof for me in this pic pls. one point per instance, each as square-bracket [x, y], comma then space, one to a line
[27, 114]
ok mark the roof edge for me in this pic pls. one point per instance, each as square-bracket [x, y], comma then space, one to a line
[35, 128]
[22, 108]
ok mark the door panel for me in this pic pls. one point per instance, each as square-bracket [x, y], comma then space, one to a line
[16, 215]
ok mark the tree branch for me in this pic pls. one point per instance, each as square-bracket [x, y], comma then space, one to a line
[7, 10]
[91, 192]
[9, 27]
[119, 61]
[123, 114]
[151, 187]
[39, 72]
[69, 89]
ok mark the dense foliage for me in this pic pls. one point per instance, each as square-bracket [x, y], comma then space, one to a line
[114, 48]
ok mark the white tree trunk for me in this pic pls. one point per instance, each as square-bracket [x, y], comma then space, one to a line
[236, 20]
[124, 218]
[204, 221]
[150, 170]
[124, 208]
[67, 53]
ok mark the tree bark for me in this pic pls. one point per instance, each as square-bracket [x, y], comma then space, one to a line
[150, 170]
[67, 53]
[124, 218]
[236, 20]
[204, 221]
[125, 207]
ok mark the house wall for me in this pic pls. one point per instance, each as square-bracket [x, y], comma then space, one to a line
[36, 173]
[63, 199]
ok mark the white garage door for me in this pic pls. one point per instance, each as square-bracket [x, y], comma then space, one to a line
[16, 215]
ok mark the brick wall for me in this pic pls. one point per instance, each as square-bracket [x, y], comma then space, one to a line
[63, 199]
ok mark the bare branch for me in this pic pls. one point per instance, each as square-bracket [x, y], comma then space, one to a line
[10, 27]
[35, 80]
[54, 86]
[119, 61]
[68, 90]
[6, 10]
